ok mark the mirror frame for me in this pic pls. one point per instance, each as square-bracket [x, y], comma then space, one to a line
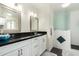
[35, 18]
[19, 19]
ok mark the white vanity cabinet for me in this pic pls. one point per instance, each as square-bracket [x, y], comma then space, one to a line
[23, 51]
[31, 47]
[22, 48]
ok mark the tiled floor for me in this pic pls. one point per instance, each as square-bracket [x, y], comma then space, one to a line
[72, 52]
[59, 52]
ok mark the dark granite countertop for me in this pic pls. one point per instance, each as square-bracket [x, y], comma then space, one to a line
[17, 37]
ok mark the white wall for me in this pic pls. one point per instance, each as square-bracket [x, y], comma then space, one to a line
[74, 27]
[66, 45]
[46, 23]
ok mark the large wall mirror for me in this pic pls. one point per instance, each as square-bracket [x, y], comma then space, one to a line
[34, 24]
[9, 20]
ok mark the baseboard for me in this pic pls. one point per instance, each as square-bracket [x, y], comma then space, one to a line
[75, 46]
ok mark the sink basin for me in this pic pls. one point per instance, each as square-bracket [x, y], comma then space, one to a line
[4, 37]
[36, 34]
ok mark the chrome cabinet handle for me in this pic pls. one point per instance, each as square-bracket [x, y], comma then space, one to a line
[21, 51]
[18, 52]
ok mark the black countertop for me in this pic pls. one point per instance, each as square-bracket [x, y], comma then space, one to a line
[17, 37]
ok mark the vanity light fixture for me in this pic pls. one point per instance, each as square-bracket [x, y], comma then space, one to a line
[65, 5]
[33, 14]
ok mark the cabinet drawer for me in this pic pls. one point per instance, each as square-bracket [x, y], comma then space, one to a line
[35, 40]
[35, 46]
[35, 51]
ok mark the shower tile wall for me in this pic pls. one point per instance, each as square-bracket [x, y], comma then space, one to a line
[61, 28]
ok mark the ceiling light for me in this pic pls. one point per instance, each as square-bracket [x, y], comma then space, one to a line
[65, 5]
[32, 14]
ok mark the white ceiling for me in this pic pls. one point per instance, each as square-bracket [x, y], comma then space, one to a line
[57, 6]
[72, 6]
[53, 6]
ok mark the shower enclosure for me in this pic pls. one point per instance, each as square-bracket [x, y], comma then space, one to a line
[66, 25]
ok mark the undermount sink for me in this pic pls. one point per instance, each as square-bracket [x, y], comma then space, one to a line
[35, 34]
[31, 36]
[38, 34]
[4, 37]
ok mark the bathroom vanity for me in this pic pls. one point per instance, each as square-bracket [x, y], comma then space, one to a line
[24, 44]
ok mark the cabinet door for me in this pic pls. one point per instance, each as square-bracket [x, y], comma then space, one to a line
[35, 49]
[13, 53]
[44, 41]
[35, 46]
[42, 44]
[26, 51]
